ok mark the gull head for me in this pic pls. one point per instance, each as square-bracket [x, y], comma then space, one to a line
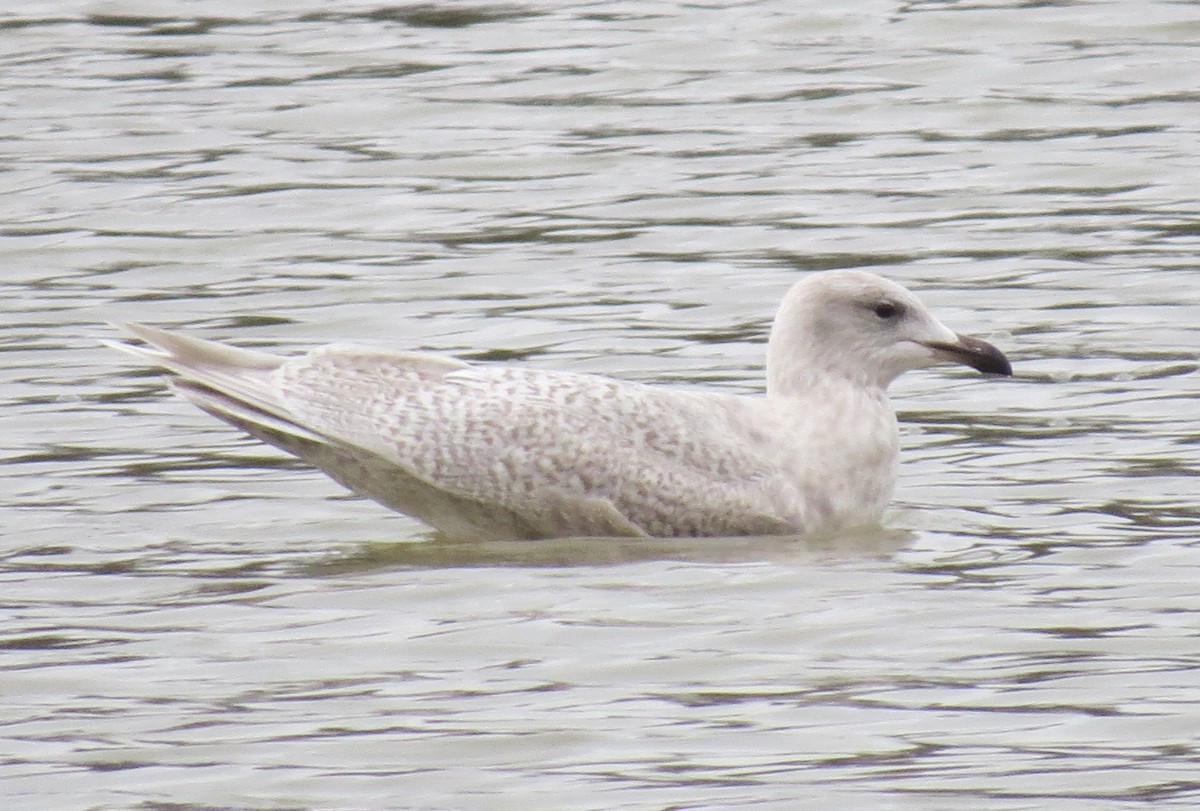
[854, 326]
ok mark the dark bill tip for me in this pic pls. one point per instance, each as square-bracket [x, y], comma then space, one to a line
[979, 355]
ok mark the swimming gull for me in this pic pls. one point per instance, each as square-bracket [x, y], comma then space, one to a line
[504, 452]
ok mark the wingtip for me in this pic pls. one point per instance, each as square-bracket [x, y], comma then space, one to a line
[134, 329]
[185, 351]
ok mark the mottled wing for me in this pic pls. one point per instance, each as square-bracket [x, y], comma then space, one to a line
[495, 451]
[543, 445]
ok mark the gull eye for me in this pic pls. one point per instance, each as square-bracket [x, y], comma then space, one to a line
[886, 310]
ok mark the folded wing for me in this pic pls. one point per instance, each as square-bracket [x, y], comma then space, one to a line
[496, 452]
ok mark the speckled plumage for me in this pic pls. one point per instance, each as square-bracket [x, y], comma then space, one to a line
[510, 452]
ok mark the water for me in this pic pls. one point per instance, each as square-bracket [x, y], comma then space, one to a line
[193, 622]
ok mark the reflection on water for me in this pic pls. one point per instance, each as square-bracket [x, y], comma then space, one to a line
[194, 622]
[442, 551]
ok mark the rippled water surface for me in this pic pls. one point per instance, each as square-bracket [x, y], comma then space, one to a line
[192, 621]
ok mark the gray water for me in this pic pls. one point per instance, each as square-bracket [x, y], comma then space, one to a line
[192, 621]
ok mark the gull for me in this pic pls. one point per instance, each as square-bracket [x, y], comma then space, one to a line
[504, 452]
